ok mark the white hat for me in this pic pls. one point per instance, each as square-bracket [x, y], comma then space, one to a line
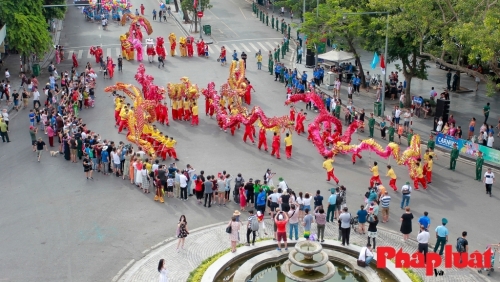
[259, 213]
[280, 217]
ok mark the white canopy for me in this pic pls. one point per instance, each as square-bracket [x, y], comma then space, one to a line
[336, 56]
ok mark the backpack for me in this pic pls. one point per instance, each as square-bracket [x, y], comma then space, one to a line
[50, 69]
[339, 199]
[254, 224]
[405, 190]
[367, 194]
[237, 182]
[460, 245]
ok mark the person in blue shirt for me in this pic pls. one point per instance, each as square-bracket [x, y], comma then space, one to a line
[304, 79]
[328, 100]
[425, 221]
[321, 75]
[261, 200]
[331, 213]
[316, 76]
[277, 70]
[312, 84]
[441, 236]
[294, 73]
[356, 83]
[104, 159]
[362, 215]
[32, 118]
[235, 56]
[301, 88]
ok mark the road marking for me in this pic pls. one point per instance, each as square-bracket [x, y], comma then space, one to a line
[118, 51]
[269, 44]
[108, 52]
[276, 43]
[88, 55]
[243, 13]
[80, 54]
[70, 54]
[253, 46]
[245, 47]
[263, 47]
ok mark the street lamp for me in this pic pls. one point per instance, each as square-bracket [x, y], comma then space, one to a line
[385, 51]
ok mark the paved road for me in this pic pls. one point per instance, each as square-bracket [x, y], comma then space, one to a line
[88, 231]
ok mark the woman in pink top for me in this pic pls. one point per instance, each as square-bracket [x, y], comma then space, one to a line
[50, 134]
[320, 216]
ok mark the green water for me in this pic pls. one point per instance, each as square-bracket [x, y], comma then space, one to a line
[273, 273]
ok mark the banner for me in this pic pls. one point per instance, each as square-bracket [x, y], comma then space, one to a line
[468, 148]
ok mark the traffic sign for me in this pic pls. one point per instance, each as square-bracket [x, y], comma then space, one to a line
[200, 14]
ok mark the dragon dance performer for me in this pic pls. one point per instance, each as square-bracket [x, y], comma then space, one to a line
[262, 138]
[375, 175]
[248, 95]
[207, 105]
[124, 114]
[170, 144]
[249, 129]
[180, 110]
[187, 109]
[328, 166]
[182, 46]
[175, 112]
[392, 175]
[189, 45]
[97, 53]
[118, 106]
[292, 113]
[299, 126]
[173, 44]
[288, 145]
[110, 67]
[419, 178]
[194, 110]
[276, 145]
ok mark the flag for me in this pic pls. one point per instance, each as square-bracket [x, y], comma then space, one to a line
[195, 4]
[382, 64]
[375, 60]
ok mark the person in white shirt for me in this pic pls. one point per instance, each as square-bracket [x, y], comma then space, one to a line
[397, 115]
[366, 254]
[282, 185]
[490, 140]
[423, 241]
[190, 171]
[36, 98]
[333, 105]
[432, 94]
[406, 119]
[489, 179]
[7, 74]
[439, 126]
[183, 184]
[478, 80]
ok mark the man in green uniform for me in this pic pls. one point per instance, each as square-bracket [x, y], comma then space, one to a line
[431, 143]
[277, 24]
[337, 110]
[267, 19]
[257, 12]
[409, 136]
[391, 132]
[272, 21]
[289, 30]
[479, 165]
[371, 125]
[288, 43]
[453, 157]
[278, 53]
[270, 63]
[283, 27]
[283, 50]
[276, 56]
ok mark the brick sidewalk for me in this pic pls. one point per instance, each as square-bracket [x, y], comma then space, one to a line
[207, 241]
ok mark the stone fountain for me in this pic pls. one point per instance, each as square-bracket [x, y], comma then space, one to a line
[316, 266]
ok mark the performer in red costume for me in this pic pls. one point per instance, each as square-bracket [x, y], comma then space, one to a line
[292, 113]
[200, 46]
[174, 110]
[189, 44]
[276, 145]
[248, 95]
[96, 52]
[207, 105]
[262, 138]
[195, 120]
[150, 50]
[248, 133]
[75, 62]
[220, 122]
[160, 51]
[211, 109]
[299, 126]
[325, 137]
[164, 114]
[110, 67]
[180, 109]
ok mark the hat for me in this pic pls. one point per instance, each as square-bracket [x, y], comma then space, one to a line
[332, 190]
[105, 148]
[280, 217]
[32, 127]
[444, 220]
[259, 213]
[280, 179]
[236, 213]
[407, 182]
[250, 180]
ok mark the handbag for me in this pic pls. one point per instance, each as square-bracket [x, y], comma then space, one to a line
[362, 263]
[229, 229]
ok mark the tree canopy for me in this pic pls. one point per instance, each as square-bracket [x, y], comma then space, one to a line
[27, 29]
[187, 7]
[54, 12]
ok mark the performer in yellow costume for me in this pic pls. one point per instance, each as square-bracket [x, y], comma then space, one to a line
[173, 43]
[183, 46]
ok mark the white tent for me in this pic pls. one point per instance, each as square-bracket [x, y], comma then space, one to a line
[336, 56]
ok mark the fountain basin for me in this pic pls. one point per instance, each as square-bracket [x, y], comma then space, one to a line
[319, 259]
[308, 274]
[307, 248]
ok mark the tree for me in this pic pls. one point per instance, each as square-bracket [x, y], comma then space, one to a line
[298, 5]
[27, 28]
[187, 6]
[54, 12]
[176, 5]
[409, 23]
[334, 23]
